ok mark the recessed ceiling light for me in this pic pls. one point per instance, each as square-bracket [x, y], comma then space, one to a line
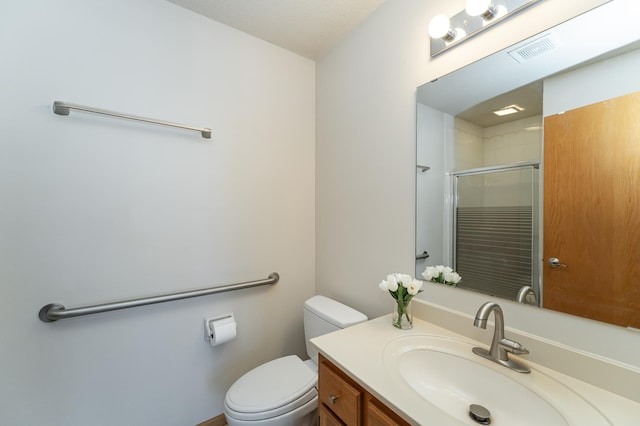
[511, 109]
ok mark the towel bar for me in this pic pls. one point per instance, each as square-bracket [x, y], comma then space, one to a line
[63, 108]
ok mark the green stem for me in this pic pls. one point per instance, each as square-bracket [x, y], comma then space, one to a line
[402, 306]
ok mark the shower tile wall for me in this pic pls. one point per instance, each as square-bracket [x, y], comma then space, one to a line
[468, 145]
[508, 143]
[512, 142]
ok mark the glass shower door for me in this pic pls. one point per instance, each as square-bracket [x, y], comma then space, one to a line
[495, 230]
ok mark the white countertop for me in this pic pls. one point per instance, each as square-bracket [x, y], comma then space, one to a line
[358, 352]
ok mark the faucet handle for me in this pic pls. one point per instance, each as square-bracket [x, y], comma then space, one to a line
[513, 347]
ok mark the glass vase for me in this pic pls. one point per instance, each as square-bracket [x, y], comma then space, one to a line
[402, 316]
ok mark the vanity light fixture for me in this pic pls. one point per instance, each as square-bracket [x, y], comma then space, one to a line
[478, 15]
[440, 27]
[487, 9]
[511, 109]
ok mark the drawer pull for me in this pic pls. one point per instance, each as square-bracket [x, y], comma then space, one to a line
[333, 398]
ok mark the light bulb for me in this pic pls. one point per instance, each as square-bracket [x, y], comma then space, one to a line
[500, 11]
[440, 27]
[477, 7]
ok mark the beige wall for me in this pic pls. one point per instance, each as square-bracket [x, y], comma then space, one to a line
[365, 161]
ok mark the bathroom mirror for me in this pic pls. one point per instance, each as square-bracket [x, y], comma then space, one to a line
[540, 204]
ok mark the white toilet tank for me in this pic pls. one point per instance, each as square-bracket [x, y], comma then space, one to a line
[323, 315]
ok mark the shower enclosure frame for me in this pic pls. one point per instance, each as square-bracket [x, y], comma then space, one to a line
[535, 214]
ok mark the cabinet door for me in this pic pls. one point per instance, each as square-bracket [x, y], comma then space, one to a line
[327, 418]
[340, 394]
[377, 414]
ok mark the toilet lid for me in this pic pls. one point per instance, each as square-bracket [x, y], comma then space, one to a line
[272, 389]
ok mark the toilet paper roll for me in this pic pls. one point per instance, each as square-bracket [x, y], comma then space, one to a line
[222, 331]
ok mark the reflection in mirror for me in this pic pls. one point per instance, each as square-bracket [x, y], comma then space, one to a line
[528, 166]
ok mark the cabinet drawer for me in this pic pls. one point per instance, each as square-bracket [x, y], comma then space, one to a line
[340, 394]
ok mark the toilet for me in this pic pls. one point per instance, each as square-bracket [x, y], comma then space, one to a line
[283, 392]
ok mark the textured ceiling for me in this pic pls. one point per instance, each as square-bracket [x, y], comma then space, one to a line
[307, 27]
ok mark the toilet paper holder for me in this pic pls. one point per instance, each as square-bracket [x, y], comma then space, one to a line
[224, 321]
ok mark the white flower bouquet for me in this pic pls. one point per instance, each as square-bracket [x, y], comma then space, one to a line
[402, 288]
[441, 274]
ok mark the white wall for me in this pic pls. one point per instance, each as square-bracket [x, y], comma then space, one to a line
[430, 214]
[366, 161]
[566, 91]
[94, 210]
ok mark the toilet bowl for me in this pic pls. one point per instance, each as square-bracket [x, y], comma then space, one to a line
[283, 392]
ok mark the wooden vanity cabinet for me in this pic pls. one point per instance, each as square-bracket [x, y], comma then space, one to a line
[342, 402]
[378, 414]
[327, 418]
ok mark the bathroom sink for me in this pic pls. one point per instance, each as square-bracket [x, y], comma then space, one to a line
[446, 373]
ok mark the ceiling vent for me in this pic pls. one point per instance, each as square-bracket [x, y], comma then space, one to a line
[534, 49]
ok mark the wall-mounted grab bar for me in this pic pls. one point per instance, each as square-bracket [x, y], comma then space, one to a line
[425, 254]
[63, 108]
[56, 311]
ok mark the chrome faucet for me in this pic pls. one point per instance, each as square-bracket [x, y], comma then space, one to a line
[527, 295]
[500, 346]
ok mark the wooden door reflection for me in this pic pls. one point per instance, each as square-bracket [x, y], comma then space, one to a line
[592, 211]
